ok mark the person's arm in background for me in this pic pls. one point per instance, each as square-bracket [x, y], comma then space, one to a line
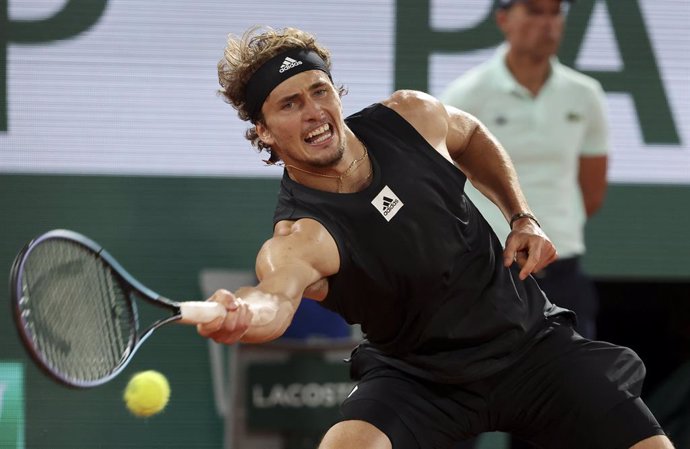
[593, 156]
[592, 179]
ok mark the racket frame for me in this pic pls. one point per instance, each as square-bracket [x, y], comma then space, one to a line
[127, 282]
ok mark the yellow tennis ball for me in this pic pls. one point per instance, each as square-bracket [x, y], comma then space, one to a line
[147, 393]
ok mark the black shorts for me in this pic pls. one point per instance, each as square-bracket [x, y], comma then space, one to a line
[567, 392]
[568, 286]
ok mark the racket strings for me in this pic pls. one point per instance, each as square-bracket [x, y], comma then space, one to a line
[75, 311]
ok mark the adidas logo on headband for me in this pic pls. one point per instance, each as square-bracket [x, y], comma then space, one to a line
[289, 63]
[276, 70]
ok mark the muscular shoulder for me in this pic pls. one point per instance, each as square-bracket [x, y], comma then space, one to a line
[412, 103]
[424, 112]
[302, 241]
[298, 259]
[304, 228]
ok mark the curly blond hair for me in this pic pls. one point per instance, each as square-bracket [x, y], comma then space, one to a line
[243, 56]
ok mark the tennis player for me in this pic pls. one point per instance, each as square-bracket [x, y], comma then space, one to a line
[373, 222]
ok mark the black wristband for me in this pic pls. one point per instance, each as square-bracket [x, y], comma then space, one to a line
[520, 215]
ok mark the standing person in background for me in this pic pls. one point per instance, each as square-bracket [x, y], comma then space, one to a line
[551, 120]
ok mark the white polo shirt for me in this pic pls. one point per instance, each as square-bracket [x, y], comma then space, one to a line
[545, 137]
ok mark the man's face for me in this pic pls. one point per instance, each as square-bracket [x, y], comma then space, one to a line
[533, 27]
[303, 121]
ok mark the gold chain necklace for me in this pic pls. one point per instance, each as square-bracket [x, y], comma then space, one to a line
[339, 178]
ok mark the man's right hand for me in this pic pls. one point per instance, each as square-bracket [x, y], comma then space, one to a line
[236, 323]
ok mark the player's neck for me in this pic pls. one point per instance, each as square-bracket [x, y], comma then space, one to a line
[353, 177]
[528, 70]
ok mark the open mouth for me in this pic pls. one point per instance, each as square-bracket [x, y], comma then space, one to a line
[319, 135]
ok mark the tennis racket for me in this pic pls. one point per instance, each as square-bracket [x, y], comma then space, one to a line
[75, 309]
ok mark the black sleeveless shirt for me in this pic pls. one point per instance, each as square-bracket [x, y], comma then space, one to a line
[420, 268]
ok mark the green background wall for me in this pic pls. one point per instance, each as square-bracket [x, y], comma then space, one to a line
[641, 234]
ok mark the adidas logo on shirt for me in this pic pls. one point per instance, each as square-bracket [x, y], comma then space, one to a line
[387, 203]
[289, 63]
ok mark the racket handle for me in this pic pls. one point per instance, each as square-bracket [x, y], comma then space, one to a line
[200, 312]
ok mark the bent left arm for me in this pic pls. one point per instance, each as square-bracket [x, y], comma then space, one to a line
[482, 158]
[593, 159]
[460, 137]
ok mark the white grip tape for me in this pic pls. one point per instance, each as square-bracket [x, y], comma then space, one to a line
[199, 312]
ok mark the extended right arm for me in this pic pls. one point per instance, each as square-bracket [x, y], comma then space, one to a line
[299, 255]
